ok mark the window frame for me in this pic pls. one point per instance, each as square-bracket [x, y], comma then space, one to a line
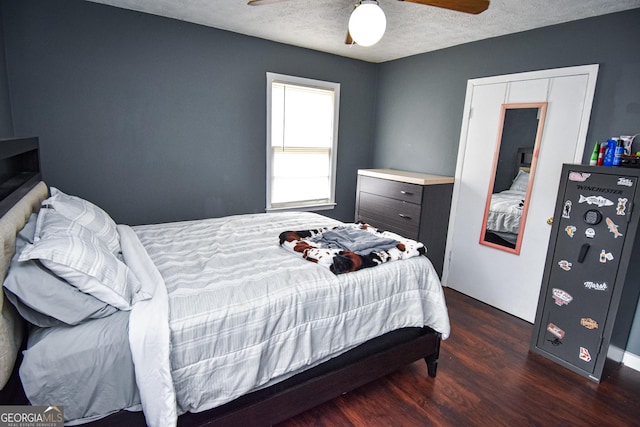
[316, 84]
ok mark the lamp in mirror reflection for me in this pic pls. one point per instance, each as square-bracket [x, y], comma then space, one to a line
[367, 23]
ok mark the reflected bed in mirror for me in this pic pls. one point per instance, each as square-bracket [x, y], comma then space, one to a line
[514, 163]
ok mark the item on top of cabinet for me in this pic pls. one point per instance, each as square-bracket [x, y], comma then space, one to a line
[618, 153]
[609, 154]
[602, 150]
[594, 155]
[627, 142]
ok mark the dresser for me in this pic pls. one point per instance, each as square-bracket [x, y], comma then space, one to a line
[590, 287]
[414, 205]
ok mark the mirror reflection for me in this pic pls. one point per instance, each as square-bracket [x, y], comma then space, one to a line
[517, 146]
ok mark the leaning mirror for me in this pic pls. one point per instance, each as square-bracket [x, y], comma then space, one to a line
[514, 165]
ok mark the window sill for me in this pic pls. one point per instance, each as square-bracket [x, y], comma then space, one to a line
[303, 208]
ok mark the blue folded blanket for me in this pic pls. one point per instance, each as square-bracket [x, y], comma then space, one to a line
[354, 240]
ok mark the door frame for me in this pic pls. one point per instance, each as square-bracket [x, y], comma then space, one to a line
[591, 71]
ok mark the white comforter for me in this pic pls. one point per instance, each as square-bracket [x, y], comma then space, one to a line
[505, 211]
[233, 311]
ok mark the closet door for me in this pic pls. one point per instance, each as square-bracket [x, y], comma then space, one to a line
[509, 281]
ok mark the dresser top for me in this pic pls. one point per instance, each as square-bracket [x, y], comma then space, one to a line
[408, 177]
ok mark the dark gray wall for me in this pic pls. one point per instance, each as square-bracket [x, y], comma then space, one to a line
[6, 124]
[421, 98]
[158, 120]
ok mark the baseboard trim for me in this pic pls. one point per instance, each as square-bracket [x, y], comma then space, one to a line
[631, 360]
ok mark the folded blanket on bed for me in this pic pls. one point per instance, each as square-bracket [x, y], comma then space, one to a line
[350, 247]
[355, 240]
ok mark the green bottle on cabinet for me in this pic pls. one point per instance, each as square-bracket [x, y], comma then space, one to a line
[594, 155]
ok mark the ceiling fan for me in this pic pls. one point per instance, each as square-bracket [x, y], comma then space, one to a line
[368, 23]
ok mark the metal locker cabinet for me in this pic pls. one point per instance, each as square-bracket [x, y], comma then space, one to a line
[588, 295]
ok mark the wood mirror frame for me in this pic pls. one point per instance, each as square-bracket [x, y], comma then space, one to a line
[526, 120]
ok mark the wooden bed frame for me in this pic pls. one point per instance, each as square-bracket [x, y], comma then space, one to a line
[365, 363]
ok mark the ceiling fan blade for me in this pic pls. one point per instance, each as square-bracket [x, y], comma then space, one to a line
[348, 39]
[261, 2]
[468, 6]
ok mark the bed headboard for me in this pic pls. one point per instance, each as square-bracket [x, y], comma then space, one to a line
[21, 191]
[525, 157]
[12, 326]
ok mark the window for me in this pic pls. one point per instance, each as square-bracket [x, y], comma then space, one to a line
[302, 141]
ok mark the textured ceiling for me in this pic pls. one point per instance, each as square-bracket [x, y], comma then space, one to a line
[411, 28]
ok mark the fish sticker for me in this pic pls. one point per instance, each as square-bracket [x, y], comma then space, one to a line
[561, 297]
[589, 323]
[605, 256]
[613, 228]
[622, 206]
[571, 230]
[625, 181]
[596, 286]
[557, 332]
[579, 176]
[595, 200]
[590, 233]
[584, 354]
[565, 265]
[566, 210]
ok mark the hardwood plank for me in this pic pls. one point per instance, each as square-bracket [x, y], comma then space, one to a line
[486, 376]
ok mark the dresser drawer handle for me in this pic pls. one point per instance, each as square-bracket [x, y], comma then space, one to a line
[404, 216]
[408, 193]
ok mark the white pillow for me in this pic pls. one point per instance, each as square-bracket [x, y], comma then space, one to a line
[86, 214]
[78, 256]
[520, 182]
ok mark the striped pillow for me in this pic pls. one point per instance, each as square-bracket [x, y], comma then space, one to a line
[84, 213]
[77, 255]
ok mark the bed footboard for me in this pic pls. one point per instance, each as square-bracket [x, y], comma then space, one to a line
[285, 400]
[371, 361]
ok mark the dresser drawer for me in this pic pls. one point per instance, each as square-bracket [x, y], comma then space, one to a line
[390, 214]
[397, 190]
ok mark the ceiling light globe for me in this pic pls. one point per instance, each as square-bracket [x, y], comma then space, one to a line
[367, 24]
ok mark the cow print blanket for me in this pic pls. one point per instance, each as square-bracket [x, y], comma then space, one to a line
[310, 245]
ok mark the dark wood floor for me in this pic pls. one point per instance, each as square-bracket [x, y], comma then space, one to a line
[486, 377]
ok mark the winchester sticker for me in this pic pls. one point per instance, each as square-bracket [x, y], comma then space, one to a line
[584, 354]
[580, 176]
[570, 229]
[596, 286]
[625, 181]
[566, 210]
[561, 297]
[613, 228]
[605, 256]
[622, 206]
[594, 189]
[595, 200]
[589, 323]
[565, 265]
[590, 233]
[557, 332]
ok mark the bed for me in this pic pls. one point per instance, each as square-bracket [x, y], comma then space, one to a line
[505, 211]
[242, 330]
[505, 207]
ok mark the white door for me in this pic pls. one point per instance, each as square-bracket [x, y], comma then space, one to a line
[505, 280]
